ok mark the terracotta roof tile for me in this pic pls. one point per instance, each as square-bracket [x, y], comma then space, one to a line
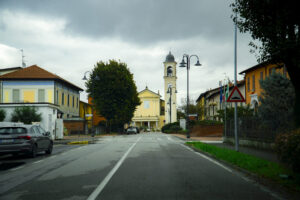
[34, 72]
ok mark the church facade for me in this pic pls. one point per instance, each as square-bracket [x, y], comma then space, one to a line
[154, 113]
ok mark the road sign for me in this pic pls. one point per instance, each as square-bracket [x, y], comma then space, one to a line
[235, 96]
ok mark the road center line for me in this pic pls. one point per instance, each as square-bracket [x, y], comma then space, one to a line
[101, 186]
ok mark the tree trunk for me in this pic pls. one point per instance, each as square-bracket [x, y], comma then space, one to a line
[293, 68]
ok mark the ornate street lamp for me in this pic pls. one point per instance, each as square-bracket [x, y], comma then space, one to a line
[186, 63]
[170, 101]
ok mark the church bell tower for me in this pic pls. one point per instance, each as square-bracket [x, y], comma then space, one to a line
[170, 89]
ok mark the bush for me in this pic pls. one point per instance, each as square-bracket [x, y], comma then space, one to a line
[171, 128]
[26, 114]
[287, 147]
[2, 115]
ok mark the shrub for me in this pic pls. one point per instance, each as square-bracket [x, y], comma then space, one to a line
[2, 115]
[287, 147]
[26, 114]
[171, 128]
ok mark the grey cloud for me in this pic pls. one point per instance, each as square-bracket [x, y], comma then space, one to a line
[141, 22]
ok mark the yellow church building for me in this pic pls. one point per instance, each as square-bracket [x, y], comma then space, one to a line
[154, 113]
[150, 114]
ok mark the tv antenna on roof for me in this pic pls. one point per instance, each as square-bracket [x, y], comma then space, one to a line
[23, 61]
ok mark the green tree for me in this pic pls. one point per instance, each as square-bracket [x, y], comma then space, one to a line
[275, 23]
[243, 111]
[193, 108]
[113, 91]
[278, 98]
[26, 114]
[2, 115]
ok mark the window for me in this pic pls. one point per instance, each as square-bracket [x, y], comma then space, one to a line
[73, 102]
[169, 71]
[36, 130]
[253, 83]
[77, 102]
[41, 95]
[284, 71]
[261, 76]
[248, 84]
[62, 99]
[271, 70]
[146, 104]
[16, 95]
[56, 96]
[68, 100]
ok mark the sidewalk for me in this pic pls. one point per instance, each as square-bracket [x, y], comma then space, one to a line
[218, 141]
[76, 138]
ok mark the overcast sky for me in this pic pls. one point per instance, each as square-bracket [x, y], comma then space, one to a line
[68, 37]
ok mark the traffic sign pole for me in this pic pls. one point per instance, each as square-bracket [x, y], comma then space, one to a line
[235, 76]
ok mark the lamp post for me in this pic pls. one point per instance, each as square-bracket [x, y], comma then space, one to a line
[170, 103]
[85, 79]
[186, 63]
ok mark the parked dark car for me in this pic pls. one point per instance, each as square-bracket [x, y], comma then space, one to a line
[18, 138]
[133, 130]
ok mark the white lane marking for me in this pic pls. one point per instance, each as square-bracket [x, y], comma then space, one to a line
[204, 156]
[38, 161]
[52, 156]
[14, 169]
[186, 147]
[217, 163]
[101, 186]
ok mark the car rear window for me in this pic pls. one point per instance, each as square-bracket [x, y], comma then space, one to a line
[12, 130]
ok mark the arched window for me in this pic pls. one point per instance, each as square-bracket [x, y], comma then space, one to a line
[169, 71]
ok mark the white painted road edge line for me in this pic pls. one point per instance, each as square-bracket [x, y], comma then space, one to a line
[14, 169]
[101, 186]
[207, 158]
[38, 161]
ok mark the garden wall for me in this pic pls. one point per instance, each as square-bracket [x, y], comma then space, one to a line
[207, 130]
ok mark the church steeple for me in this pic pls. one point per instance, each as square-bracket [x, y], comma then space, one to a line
[170, 89]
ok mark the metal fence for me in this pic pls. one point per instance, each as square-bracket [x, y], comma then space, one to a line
[251, 129]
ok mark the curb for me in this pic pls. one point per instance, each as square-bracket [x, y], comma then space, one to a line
[78, 142]
[282, 190]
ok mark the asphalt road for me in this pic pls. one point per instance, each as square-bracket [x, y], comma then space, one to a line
[144, 166]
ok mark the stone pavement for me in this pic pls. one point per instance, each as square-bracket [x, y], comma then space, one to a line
[218, 141]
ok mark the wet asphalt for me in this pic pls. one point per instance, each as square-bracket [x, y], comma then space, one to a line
[143, 166]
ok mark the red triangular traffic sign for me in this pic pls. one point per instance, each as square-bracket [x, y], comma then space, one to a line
[235, 96]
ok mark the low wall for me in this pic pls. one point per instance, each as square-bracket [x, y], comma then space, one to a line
[207, 130]
[74, 127]
[251, 143]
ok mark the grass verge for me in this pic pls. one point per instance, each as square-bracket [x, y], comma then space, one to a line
[255, 165]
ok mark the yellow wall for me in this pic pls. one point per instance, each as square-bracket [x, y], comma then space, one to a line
[149, 105]
[29, 96]
[256, 72]
[50, 96]
[7, 94]
[200, 104]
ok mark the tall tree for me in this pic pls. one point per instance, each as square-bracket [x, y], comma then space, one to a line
[113, 91]
[278, 98]
[275, 23]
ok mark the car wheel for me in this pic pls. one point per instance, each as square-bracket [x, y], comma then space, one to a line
[33, 151]
[49, 150]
